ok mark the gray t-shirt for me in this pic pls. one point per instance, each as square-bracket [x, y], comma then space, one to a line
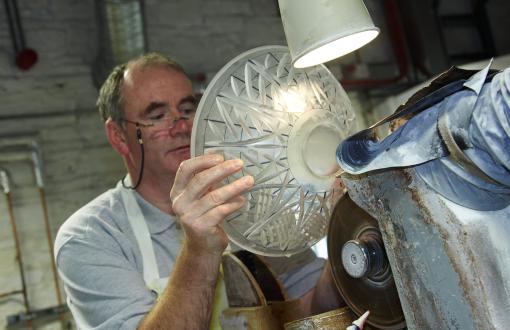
[99, 261]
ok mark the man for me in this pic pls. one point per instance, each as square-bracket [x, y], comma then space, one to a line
[146, 254]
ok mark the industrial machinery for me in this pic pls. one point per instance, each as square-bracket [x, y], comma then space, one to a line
[439, 186]
[419, 238]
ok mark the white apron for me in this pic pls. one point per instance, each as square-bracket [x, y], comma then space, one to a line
[151, 276]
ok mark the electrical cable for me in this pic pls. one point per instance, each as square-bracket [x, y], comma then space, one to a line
[140, 141]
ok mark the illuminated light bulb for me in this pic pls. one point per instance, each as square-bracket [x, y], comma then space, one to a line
[318, 31]
[335, 49]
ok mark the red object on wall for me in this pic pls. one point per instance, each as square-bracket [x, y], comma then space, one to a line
[26, 59]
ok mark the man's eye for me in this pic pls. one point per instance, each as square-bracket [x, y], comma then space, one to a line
[189, 111]
[157, 116]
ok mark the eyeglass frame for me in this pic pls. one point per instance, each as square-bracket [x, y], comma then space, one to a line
[174, 120]
[140, 124]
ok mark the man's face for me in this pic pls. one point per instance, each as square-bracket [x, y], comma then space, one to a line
[149, 94]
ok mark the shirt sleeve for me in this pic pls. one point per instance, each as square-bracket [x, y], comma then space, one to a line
[104, 289]
[298, 273]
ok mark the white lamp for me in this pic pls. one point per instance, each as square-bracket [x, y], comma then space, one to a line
[318, 31]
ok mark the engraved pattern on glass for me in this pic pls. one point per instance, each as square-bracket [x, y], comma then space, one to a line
[249, 111]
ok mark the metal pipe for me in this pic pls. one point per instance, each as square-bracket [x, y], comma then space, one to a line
[121, 35]
[7, 294]
[25, 57]
[9, 156]
[10, 141]
[31, 153]
[4, 180]
[42, 196]
[18, 39]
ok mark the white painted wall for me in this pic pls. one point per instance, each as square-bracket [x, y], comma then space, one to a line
[55, 101]
[58, 98]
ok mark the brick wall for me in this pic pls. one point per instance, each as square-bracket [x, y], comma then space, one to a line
[55, 101]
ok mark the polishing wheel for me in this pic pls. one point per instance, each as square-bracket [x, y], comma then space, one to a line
[360, 267]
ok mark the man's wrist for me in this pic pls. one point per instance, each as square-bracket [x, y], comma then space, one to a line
[201, 261]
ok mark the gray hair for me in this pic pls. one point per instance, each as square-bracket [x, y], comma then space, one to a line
[110, 100]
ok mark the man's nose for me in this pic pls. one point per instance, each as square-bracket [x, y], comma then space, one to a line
[181, 126]
[172, 118]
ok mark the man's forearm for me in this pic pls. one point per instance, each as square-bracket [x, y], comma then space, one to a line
[188, 299]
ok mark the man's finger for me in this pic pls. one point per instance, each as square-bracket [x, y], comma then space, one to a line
[216, 215]
[190, 167]
[201, 183]
[219, 196]
[225, 193]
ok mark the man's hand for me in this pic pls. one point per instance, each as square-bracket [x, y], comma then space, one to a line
[201, 203]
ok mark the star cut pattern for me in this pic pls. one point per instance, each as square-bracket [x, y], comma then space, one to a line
[246, 120]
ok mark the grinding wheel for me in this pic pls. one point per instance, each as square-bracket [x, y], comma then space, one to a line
[360, 267]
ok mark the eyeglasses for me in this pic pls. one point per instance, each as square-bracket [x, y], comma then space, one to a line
[164, 118]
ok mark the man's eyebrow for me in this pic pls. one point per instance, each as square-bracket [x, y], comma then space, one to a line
[188, 99]
[157, 105]
[153, 106]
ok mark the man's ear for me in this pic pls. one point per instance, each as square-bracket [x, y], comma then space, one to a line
[116, 136]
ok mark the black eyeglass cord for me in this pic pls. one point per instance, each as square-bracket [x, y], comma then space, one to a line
[140, 141]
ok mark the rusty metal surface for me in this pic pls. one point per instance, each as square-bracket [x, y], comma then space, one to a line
[450, 263]
[249, 318]
[337, 319]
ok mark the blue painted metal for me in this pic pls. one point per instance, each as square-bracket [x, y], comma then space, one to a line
[477, 115]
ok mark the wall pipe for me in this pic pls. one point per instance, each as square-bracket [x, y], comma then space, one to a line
[31, 153]
[42, 196]
[25, 57]
[11, 293]
[4, 182]
[17, 141]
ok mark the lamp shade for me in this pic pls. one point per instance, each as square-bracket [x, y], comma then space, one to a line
[318, 31]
